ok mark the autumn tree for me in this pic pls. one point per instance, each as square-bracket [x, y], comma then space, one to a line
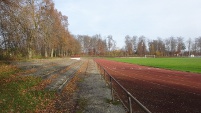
[153, 47]
[157, 47]
[161, 47]
[101, 46]
[9, 10]
[31, 28]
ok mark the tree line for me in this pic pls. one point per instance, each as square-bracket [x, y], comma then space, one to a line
[96, 45]
[171, 46]
[139, 46]
[31, 28]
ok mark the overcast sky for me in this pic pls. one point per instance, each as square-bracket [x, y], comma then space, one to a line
[150, 18]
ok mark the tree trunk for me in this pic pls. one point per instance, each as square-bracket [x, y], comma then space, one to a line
[29, 49]
[29, 53]
[46, 53]
[52, 53]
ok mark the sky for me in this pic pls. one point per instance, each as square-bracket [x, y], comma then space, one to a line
[150, 18]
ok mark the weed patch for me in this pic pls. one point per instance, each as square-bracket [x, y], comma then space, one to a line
[115, 102]
[82, 103]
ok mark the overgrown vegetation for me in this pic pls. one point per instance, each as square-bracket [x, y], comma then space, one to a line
[18, 93]
[181, 64]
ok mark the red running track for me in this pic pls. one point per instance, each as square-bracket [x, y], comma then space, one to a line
[160, 90]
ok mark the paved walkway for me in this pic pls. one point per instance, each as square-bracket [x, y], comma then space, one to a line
[96, 94]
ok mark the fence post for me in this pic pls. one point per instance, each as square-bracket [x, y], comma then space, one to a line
[112, 92]
[104, 74]
[130, 104]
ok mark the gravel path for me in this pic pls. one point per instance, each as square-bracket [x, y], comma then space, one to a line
[96, 94]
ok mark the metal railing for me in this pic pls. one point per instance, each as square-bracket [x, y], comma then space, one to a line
[127, 99]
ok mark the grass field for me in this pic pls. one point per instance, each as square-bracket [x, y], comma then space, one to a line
[181, 64]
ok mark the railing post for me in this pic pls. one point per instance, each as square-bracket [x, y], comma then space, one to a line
[112, 92]
[130, 104]
[104, 75]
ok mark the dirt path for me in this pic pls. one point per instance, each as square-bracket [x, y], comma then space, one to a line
[160, 90]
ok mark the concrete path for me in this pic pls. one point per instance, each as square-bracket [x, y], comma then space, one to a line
[96, 94]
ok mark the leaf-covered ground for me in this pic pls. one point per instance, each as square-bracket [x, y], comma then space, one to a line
[18, 93]
[21, 93]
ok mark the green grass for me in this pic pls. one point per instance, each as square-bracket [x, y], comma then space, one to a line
[17, 93]
[181, 64]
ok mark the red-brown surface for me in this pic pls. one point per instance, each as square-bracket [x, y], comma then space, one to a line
[160, 90]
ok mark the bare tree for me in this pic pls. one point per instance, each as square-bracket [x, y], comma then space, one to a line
[111, 44]
[171, 44]
[92, 45]
[141, 50]
[180, 45]
[198, 40]
[129, 45]
[134, 42]
[189, 42]
[194, 47]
